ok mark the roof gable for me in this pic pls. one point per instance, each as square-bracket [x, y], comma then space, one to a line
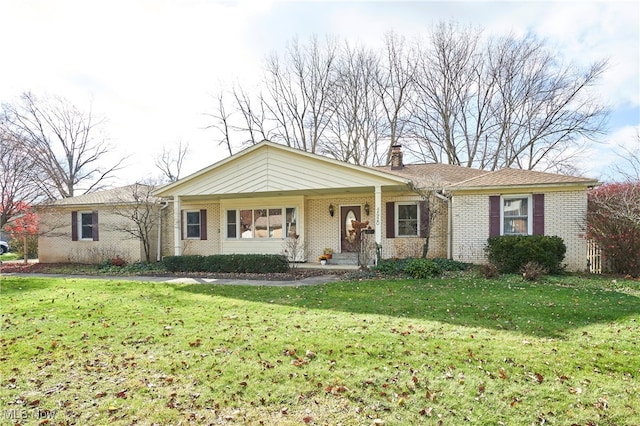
[269, 167]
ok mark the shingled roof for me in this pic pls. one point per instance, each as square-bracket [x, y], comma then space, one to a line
[434, 174]
[519, 177]
[457, 177]
[121, 195]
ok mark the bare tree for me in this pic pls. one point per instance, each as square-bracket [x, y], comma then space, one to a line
[137, 204]
[17, 178]
[429, 211]
[357, 113]
[631, 160]
[298, 87]
[455, 97]
[448, 99]
[541, 107]
[67, 145]
[506, 103]
[221, 122]
[170, 161]
[394, 86]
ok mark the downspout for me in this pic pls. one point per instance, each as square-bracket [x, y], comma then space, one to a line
[449, 221]
[159, 249]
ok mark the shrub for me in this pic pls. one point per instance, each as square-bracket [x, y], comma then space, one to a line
[532, 270]
[422, 268]
[117, 261]
[511, 252]
[227, 263]
[613, 221]
[412, 266]
[489, 270]
[17, 246]
[190, 263]
[450, 264]
[390, 267]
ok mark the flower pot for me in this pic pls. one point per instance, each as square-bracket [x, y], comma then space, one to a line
[323, 262]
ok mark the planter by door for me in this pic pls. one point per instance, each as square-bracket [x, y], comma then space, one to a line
[347, 214]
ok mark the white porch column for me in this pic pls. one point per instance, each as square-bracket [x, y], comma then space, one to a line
[378, 214]
[177, 223]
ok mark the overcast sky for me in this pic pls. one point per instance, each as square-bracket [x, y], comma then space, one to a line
[151, 66]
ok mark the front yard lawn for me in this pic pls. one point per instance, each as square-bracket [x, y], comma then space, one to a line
[442, 351]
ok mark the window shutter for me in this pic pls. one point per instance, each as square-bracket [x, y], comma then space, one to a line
[181, 224]
[391, 220]
[494, 215]
[538, 214]
[203, 224]
[74, 226]
[94, 226]
[424, 219]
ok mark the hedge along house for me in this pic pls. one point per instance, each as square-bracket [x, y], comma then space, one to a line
[251, 201]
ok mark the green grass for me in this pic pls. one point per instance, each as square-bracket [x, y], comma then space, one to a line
[10, 256]
[443, 351]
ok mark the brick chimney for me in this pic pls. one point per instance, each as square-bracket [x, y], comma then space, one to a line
[396, 157]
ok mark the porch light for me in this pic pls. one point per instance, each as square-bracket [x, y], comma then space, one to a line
[331, 210]
[366, 208]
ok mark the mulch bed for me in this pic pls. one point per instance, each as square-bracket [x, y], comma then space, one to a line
[49, 268]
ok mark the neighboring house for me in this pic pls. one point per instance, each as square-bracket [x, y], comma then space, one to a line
[251, 201]
[94, 227]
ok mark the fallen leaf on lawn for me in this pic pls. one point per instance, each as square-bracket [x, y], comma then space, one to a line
[426, 411]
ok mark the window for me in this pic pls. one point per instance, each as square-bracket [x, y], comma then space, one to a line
[232, 224]
[192, 224]
[291, 222]
[516, 215]
[407, 223]
[84, 226]
[261, 223]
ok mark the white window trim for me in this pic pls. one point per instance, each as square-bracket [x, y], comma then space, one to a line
[184, 221]
[80, 237]
[226, 224]
[253, 238]
[397, 205]
[529, 212]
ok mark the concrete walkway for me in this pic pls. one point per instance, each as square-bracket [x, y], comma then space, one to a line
[315, 280]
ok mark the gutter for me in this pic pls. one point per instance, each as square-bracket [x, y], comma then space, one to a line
[159, 248]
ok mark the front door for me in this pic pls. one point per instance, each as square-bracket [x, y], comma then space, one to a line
[347, 214]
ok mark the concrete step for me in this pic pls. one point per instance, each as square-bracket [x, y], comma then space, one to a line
[343, 259]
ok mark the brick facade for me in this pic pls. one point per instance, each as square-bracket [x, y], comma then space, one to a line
[564, 213]
[55, 244]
